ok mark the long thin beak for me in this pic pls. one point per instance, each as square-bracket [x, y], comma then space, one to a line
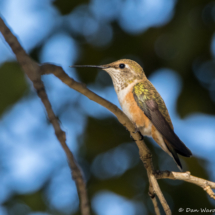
[93, 66]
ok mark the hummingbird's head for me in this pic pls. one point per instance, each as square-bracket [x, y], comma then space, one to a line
[123, 72]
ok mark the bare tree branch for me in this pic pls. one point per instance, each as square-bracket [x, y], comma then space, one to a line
[154, 200]
[32, 70]
[185, 176]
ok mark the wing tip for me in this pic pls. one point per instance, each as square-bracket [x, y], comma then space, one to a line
[184, 152]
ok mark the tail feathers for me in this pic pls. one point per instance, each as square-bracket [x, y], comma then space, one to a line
[180, 147]
[174, 155]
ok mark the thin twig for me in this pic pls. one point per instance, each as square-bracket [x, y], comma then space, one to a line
[154, 200]
[32, 70]
[186, 176]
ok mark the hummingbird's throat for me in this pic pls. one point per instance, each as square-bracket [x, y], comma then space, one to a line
[121, 82]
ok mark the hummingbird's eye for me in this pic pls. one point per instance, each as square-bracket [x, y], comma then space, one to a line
[121, 65]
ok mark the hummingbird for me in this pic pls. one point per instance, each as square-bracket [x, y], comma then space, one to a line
[144, 106]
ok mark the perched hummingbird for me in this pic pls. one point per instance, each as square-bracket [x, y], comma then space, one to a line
[144, 106]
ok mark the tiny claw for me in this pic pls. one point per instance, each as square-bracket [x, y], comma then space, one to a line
[142, 137]
[136, 130]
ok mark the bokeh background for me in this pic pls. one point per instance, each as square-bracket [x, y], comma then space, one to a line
[173, 40]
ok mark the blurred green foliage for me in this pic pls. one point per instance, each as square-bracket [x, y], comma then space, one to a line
[23, 204]
[12, 85]
[66, 6]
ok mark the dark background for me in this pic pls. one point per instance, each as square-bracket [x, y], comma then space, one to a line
[175, 44]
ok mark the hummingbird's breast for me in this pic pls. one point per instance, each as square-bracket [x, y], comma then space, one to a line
[133, 111]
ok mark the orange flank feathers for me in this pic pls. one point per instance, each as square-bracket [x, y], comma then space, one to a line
[136, 114]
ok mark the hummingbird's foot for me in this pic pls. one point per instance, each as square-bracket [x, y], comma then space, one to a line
[136, 130]
[142, 137]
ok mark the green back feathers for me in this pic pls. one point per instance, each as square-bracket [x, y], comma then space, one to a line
[145, 91]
